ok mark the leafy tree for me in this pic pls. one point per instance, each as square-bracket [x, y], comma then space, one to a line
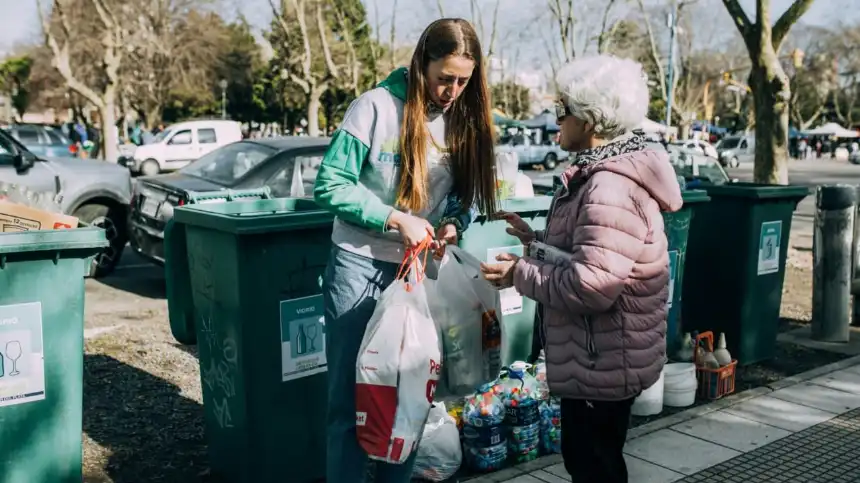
[15, 79]
[512, 98]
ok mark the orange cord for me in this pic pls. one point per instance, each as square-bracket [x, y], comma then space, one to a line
[412, 260]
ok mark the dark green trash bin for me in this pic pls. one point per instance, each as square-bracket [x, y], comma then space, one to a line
[180, 310]
[735, 265]
[255, 270]
[484, 239]
[677, 227]
[42, 346]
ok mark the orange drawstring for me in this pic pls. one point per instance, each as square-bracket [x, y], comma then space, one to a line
[412, 260]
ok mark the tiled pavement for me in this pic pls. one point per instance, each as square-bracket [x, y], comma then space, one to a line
[798, 431]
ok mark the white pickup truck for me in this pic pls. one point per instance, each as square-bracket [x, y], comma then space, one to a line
[529, 154]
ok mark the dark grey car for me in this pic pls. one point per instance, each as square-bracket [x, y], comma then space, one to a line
[249, 164]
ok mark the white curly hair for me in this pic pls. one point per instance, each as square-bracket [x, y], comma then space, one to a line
[608, 92]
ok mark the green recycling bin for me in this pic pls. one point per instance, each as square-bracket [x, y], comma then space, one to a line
[735, 265]
[42, 352]
[484, 239]
[180, 310]
[254, 270]
[677, 226]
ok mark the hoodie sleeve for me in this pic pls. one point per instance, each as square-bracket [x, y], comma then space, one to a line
[609, 237]
[337, 187]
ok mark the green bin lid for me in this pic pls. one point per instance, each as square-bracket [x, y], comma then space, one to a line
[759, 191]
[526, 205]
[695, 196]
[257, 216]
[52, 240]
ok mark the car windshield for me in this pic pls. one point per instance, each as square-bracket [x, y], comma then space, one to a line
[695, 167]
[229, 164]
[728, 143]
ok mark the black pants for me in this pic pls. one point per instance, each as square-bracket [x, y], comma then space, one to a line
[592, 439]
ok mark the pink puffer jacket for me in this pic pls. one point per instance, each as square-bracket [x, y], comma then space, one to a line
[605, 309]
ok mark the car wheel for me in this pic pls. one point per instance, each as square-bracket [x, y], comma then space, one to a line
[150, 167]
[550, 161]
[734, 163]
[113, 222]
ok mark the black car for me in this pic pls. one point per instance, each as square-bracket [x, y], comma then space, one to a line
[248, 164]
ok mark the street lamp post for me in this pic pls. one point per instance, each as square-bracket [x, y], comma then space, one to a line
[223, 86]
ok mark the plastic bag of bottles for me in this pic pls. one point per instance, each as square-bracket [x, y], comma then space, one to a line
[484, 434]
[439, 454]
[522, 396]
[550, 426]
[461, 303]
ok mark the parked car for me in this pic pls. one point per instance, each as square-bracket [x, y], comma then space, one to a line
[182, 143]
[733, 150]
[43, 140]
[698, 169]
[697, 146]
[96, 192]
[529, 154]
[253, 163]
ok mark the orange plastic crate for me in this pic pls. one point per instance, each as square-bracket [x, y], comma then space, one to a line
[714, 383]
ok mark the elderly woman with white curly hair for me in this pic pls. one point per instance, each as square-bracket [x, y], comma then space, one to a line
[600, 270]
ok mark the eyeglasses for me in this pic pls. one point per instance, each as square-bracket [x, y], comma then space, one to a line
[561, 111]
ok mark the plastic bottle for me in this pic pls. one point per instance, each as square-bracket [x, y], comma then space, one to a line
[484, 437]
[492, 344]
[521, 395]
[550, 412]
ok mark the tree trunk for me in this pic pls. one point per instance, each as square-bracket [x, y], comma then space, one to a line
[314, 110]
[110, 142]
[771, 96]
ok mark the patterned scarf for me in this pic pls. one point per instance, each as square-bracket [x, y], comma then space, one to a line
[627, 143]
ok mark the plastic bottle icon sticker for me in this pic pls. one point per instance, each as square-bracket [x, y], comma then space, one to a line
[301, 341]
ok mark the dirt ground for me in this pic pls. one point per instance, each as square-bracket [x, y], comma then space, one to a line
[143, 413]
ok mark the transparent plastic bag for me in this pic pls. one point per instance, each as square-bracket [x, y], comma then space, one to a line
[398, 367]
[461, 304]
[439, 455]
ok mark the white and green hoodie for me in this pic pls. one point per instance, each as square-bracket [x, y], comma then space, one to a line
[360, 173]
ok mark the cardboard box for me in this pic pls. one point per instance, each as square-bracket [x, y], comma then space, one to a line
[15, 217]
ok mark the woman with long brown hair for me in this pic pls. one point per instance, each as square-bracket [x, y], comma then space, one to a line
[410, 160]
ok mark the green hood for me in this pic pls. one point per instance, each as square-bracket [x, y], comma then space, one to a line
[396, 83]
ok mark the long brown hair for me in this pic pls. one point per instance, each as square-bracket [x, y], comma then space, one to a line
[468, 130]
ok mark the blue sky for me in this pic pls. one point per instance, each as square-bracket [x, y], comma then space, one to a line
[20, 20]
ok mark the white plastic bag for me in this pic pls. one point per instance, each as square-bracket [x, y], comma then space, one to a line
[464, 307]
[439, 454]
[398, 369]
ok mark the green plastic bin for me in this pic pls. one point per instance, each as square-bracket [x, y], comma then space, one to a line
[484, 239]
[677, 227]
[180, 310]
[736, 265]
[42, 345]
[255, 269]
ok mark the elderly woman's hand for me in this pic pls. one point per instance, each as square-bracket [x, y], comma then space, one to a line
[518, 227]
[501, 275]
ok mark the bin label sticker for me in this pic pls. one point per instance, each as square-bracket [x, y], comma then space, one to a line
[22, 360]
[768, 247]
[302, 337]
[510, 300]
[674, 257]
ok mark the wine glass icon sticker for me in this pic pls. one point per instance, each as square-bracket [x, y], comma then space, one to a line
[312, 331]
[13, 352]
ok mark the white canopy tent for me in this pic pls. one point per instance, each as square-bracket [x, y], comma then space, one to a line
[832, 129]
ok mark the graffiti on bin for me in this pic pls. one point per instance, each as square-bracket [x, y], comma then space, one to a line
[220, 374]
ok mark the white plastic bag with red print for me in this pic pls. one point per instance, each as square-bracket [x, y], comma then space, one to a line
[398, 367]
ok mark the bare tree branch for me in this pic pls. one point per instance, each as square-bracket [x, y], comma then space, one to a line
[740, 18]
[299, 7]
[606, 35]
[788, 18]
[392, 35]
[329, 61]
[494, 31]
[654, 51]
[439, 7]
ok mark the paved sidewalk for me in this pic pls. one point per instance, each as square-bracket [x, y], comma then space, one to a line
[806, 429]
